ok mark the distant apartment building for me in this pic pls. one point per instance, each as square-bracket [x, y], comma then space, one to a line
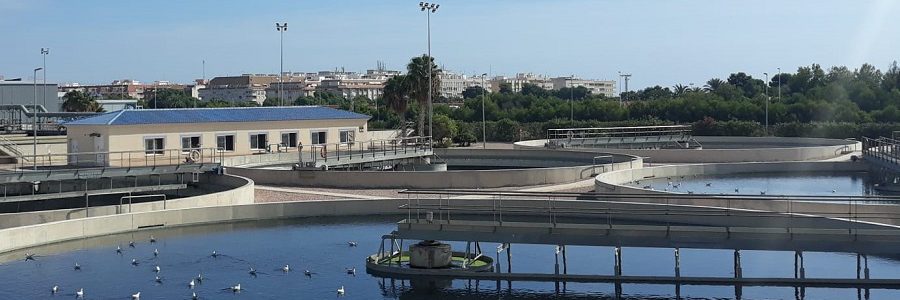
[520, 80]
[606, 88]
[125, 88]
[243, 88]
[452, 85]
[352, 87]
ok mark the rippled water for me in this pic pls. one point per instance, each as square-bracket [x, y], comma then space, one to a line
[320, 245]
[850, 184]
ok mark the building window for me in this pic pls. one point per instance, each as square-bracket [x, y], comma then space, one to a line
[225, 142]
[189, 143]
[258, 141]
[318, 137]
[347, 136]
[289, 139]
[154, 146]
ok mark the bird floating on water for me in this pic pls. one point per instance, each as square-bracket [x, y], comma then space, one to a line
[157, 279]
[152, 239]
[155, 252]
[214, 254]
[191, 284]
[286, 268]
[119, 249]
[252, 271]
[199, 277]
[352, 243]
[351, 271]
[307, 273]
[54, 289]
[134, 262]
[156, 269]
[29, 256]
[708, 183]
[340, 291]
[194, 296]
[131, 244]
[236, 288]
[136, 296]
[77, 267]
[79, 293]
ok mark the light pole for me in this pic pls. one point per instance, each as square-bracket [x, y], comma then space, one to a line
[767, 102]
[281, 28]
[44, 53]
[429, 8]
[483, 121]
[34, 119]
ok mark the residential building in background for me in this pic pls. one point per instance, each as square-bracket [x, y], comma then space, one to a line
[243, 88]
[516, 83]
[452, 84]
[607, 88]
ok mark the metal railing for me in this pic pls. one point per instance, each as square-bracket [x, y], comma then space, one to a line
[791, 210]
[125, 159]
[10, 147]
[339, 153]
[679, 136]
[883, 148]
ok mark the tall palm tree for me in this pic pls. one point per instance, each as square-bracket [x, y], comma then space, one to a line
[396, 98]
[679, 89]
[713, 85]
[417, 82]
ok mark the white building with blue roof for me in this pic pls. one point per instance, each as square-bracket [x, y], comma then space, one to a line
[233, 130]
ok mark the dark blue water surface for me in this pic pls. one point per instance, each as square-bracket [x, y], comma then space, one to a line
[813, 183]
[320, 245]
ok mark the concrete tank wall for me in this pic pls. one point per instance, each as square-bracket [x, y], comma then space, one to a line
[758, 149]
[241, 193]
[575, 166]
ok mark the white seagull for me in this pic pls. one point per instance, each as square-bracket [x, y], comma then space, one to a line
[307, 273]
[236, 288]
[156, 269]
[134, 262]
[77, 267]
[152, 239]
[157, 279]
[119, 249]
[131, 244]
[340, 291]
[199, 277]
[286, 268]
[194, 296]
[352, 243]
[55, 289]
[136, 296]
[80, 293]
[214, 254]
[191, 284]
[29, 256]
[155, 252]
[351, 271]
[252, 271]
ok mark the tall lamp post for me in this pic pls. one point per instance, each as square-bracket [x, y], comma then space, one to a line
[44, 53]
[429, 8]
[483, 121]
[281, 28]
[34, 119]
[767, 102]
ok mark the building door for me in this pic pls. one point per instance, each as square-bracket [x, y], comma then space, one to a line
[100, 149]
[73, 150]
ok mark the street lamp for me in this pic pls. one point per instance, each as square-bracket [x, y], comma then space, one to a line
[429, 8]
[281, 28]
[34, 119]
[767, 103]
[44, 53]
[483, 121]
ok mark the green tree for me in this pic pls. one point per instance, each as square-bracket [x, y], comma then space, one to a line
[418, 86]
[473, 92]
[505, 88]
[444, 129]
[396, 96]
[271, 101]
[77, 101]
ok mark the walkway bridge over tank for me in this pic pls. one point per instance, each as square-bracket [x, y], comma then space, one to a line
[637, 137]
[790, 223]
[356, 154]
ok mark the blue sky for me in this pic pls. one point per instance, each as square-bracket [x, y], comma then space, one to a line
[659, 41]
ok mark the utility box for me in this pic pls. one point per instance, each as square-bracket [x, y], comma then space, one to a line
[430, 255]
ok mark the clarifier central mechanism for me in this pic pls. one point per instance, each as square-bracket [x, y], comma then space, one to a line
[430, 255]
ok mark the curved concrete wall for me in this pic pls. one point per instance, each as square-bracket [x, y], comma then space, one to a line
[551, 167]
[241, 193]
[734, 149]
[612, 183]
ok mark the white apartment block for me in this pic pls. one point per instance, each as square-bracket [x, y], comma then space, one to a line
[606, 88]
[452, 85]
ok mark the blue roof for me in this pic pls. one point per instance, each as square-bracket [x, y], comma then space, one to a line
[216, 115]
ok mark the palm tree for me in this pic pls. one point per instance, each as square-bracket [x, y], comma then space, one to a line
[77, 101]
[417, 84]
[679, 89]
[713, 85]
[396, 98]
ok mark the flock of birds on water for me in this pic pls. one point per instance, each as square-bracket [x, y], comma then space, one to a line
[194, 281]
[673, 186]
